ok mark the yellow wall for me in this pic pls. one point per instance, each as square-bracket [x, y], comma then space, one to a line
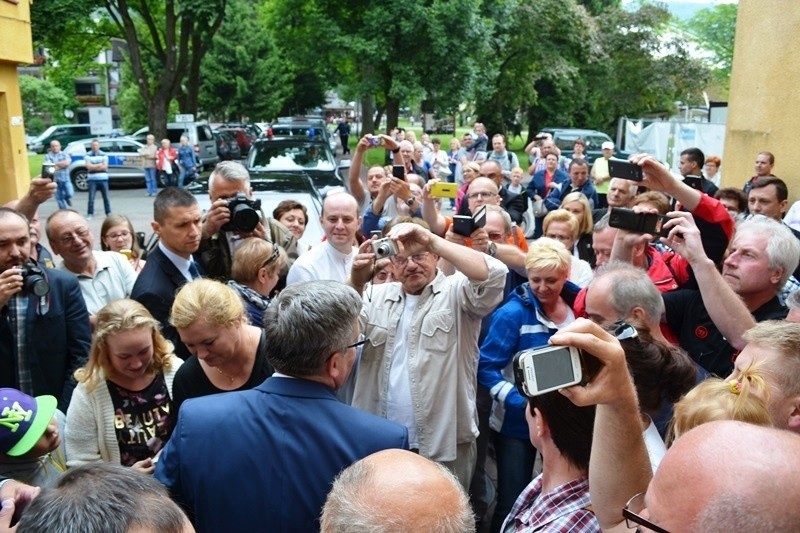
[764, 105]
[15, 47]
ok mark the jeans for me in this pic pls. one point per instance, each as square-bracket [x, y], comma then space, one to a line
[102, 185]
[515, 461]
[150, 181]
[64, 193]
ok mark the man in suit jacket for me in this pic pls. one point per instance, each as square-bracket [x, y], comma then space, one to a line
[266, 457]
[170, 265]
[44, 337]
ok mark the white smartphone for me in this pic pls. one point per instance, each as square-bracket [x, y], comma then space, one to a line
[541, 370]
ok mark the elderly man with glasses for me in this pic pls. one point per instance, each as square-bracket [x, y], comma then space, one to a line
[419, 366]
[44, 326]
[103, 276]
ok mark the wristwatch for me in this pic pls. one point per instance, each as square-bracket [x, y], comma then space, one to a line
[492, 249]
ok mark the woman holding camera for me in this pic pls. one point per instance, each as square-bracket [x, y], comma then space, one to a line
[120, 410]
[117, 235]
[229, 353]
[530, 315]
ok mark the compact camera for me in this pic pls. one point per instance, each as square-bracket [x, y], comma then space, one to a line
[384, 248]
[48, 171]
[34, 280]
[245, 213]
[375, 140]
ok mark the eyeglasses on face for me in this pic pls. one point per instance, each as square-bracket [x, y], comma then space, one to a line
[69, 238]
[634, 520]
[122, 234]
[400, 261]
[484, 195]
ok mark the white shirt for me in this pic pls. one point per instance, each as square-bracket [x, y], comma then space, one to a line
[179, 262]
[399, 405]
[655, 446]
[113, 279]
[322, 262]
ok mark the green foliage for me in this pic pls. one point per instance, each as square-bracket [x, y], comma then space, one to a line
[42, 102]
[244, 74]
[714, 29]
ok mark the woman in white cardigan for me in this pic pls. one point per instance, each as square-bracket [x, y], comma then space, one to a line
[120, 409]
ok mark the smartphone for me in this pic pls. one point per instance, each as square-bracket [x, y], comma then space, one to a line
[48, 171]
[375, 140]
[625, 170]
[542, 370]
[479, 218]
[629, 220]
[462, 224]
[444, 190]
[695, 182]
[399, 171]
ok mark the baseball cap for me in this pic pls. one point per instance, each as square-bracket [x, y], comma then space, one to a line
[608, 145]
[23, 420]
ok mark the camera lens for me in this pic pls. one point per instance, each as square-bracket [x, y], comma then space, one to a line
[244, 218]
[383, 250]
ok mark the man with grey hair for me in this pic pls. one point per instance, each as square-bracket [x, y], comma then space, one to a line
[104, 498]
[270, 454]
[396, 490]
[220, 240]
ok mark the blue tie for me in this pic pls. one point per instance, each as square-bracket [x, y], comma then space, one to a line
[193, 270]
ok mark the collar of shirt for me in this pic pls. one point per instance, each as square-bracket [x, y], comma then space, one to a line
[179, 262]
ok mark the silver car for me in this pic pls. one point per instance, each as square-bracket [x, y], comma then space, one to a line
[125, 164]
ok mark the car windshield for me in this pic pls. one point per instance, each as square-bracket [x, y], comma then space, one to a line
[300, 156]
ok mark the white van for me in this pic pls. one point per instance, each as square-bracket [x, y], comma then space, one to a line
[200, 136]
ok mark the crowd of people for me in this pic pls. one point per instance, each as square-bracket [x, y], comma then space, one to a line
[235, 381]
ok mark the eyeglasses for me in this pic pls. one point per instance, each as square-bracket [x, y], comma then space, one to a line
[362, 340]
[632, 517]
[484, 195]
[400, 261]
[276, 252]
[69, 238]
[495, 236]
[121, 234]
[623, 331]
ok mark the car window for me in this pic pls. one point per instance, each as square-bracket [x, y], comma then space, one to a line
[106, 146]
[127, 147]
[83, 130]
[204, 134]
[174, 135]
[280, 156]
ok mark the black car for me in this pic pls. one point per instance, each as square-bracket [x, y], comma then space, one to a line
[297, 155]
[234, 151]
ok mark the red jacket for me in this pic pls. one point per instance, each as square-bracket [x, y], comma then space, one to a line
[162, 155]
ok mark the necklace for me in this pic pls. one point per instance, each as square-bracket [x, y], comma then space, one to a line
[224, 374]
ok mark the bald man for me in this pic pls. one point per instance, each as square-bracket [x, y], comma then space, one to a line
[331, 259]
[396, 490]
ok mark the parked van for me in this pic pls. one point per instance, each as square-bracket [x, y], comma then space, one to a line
[200, 137]
[64, 133]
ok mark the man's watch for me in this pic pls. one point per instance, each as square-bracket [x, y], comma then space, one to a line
[491, 249]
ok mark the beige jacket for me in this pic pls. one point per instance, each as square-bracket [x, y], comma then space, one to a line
[443, 357]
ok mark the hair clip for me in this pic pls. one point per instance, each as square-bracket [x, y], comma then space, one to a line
[735, 386]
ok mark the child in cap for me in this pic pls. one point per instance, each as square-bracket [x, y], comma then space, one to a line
[30, 438]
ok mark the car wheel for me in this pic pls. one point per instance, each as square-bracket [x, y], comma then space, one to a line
[80, 180]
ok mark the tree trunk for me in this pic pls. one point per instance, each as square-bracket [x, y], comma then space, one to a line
[367, 105]
[392, 113]
[379, 118]
[157, 117]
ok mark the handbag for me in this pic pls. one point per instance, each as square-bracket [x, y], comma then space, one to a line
[539, 209]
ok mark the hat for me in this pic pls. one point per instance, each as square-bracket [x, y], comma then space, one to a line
[23, 420]
[608, 145]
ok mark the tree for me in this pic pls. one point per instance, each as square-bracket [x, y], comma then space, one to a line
[42, 100]
[166, 43]
[714, 29]
[245, 76]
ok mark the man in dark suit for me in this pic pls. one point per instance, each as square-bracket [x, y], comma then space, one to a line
[266, 457]
[170, 265]
[44, 332]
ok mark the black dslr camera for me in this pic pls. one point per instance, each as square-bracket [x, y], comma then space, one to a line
[34, 280]
[245, 213]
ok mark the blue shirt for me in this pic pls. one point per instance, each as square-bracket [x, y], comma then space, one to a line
[96, 158]
[186, 157]
[61, 173]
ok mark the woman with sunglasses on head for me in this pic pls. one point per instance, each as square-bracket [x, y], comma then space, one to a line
[255, 271]
[229, 353]
[120, 410]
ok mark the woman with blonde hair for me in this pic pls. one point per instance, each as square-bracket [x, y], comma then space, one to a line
[255, 271]
[120, 410]
[229, 353]
[743, 398]
[562, 226]
[469, 172]
[531, 314]
[578, 204]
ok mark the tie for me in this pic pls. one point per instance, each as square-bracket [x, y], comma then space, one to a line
[193, 270]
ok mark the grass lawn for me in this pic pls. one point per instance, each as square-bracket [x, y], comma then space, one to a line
[35, 163]
[376, 157]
